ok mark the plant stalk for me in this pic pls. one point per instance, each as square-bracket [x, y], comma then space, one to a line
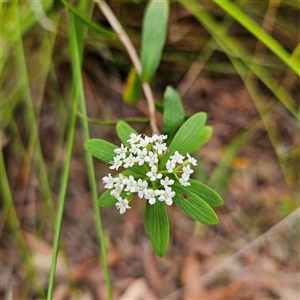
[115, 24]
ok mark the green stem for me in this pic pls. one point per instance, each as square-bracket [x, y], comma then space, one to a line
[87, 7]
[75, 54]
[117, 27]
[176, 176]
[34, 147]
[264, 112]
[259, 33]
[164, 172]
[61, 198]
[34, 152]
[232, 47]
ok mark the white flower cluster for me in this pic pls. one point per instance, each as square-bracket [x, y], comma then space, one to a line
[146, 153]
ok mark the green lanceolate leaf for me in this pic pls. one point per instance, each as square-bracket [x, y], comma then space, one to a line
[157, 226]
[173, 113]
[204, 135]
[194, 206]
[153, 36]
[101, 149]
[211, 197]
[190, 136]
[123, 131]
[106, 199]
[132, 88]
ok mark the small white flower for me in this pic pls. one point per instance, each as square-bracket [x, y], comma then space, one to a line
[177, 157]
[144, 142]
[166, 181]
[130, 184]
[184, 180]
[117, 163]
[134, 138]
[187, 169]
[150, 195]
[119, 186]
[122, 204]
[119, 179]
[185, 176]
[138, 153]
[152, 158]
[142, 156]
[121, 151]
[141, 188]
[154, 137]
[134, 148]
[153, 174]
[192, 160]
[161, 137]
[109, 180]
[160, 148]
[170, 165]
[115, 193]
[167, 195]
[129, 161]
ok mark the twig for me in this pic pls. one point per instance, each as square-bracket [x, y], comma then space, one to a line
[110, 16]
[229, 262]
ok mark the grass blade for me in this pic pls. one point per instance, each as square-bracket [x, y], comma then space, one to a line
[259, 33]
[75, 54]
[233, 47]
[90, 25]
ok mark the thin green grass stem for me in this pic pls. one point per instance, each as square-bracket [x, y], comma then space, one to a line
[50, 211]
[34, 152]
[76, 63]
[27, 21]
[8, 106]
[237, 14]
[200, 61]
[23, 153]
[263, 109]
[30, 115]
[70, 140]
[232, 47]
[62, 194]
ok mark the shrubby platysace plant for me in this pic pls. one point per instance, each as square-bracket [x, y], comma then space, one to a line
[158, 170]
[155, 184]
